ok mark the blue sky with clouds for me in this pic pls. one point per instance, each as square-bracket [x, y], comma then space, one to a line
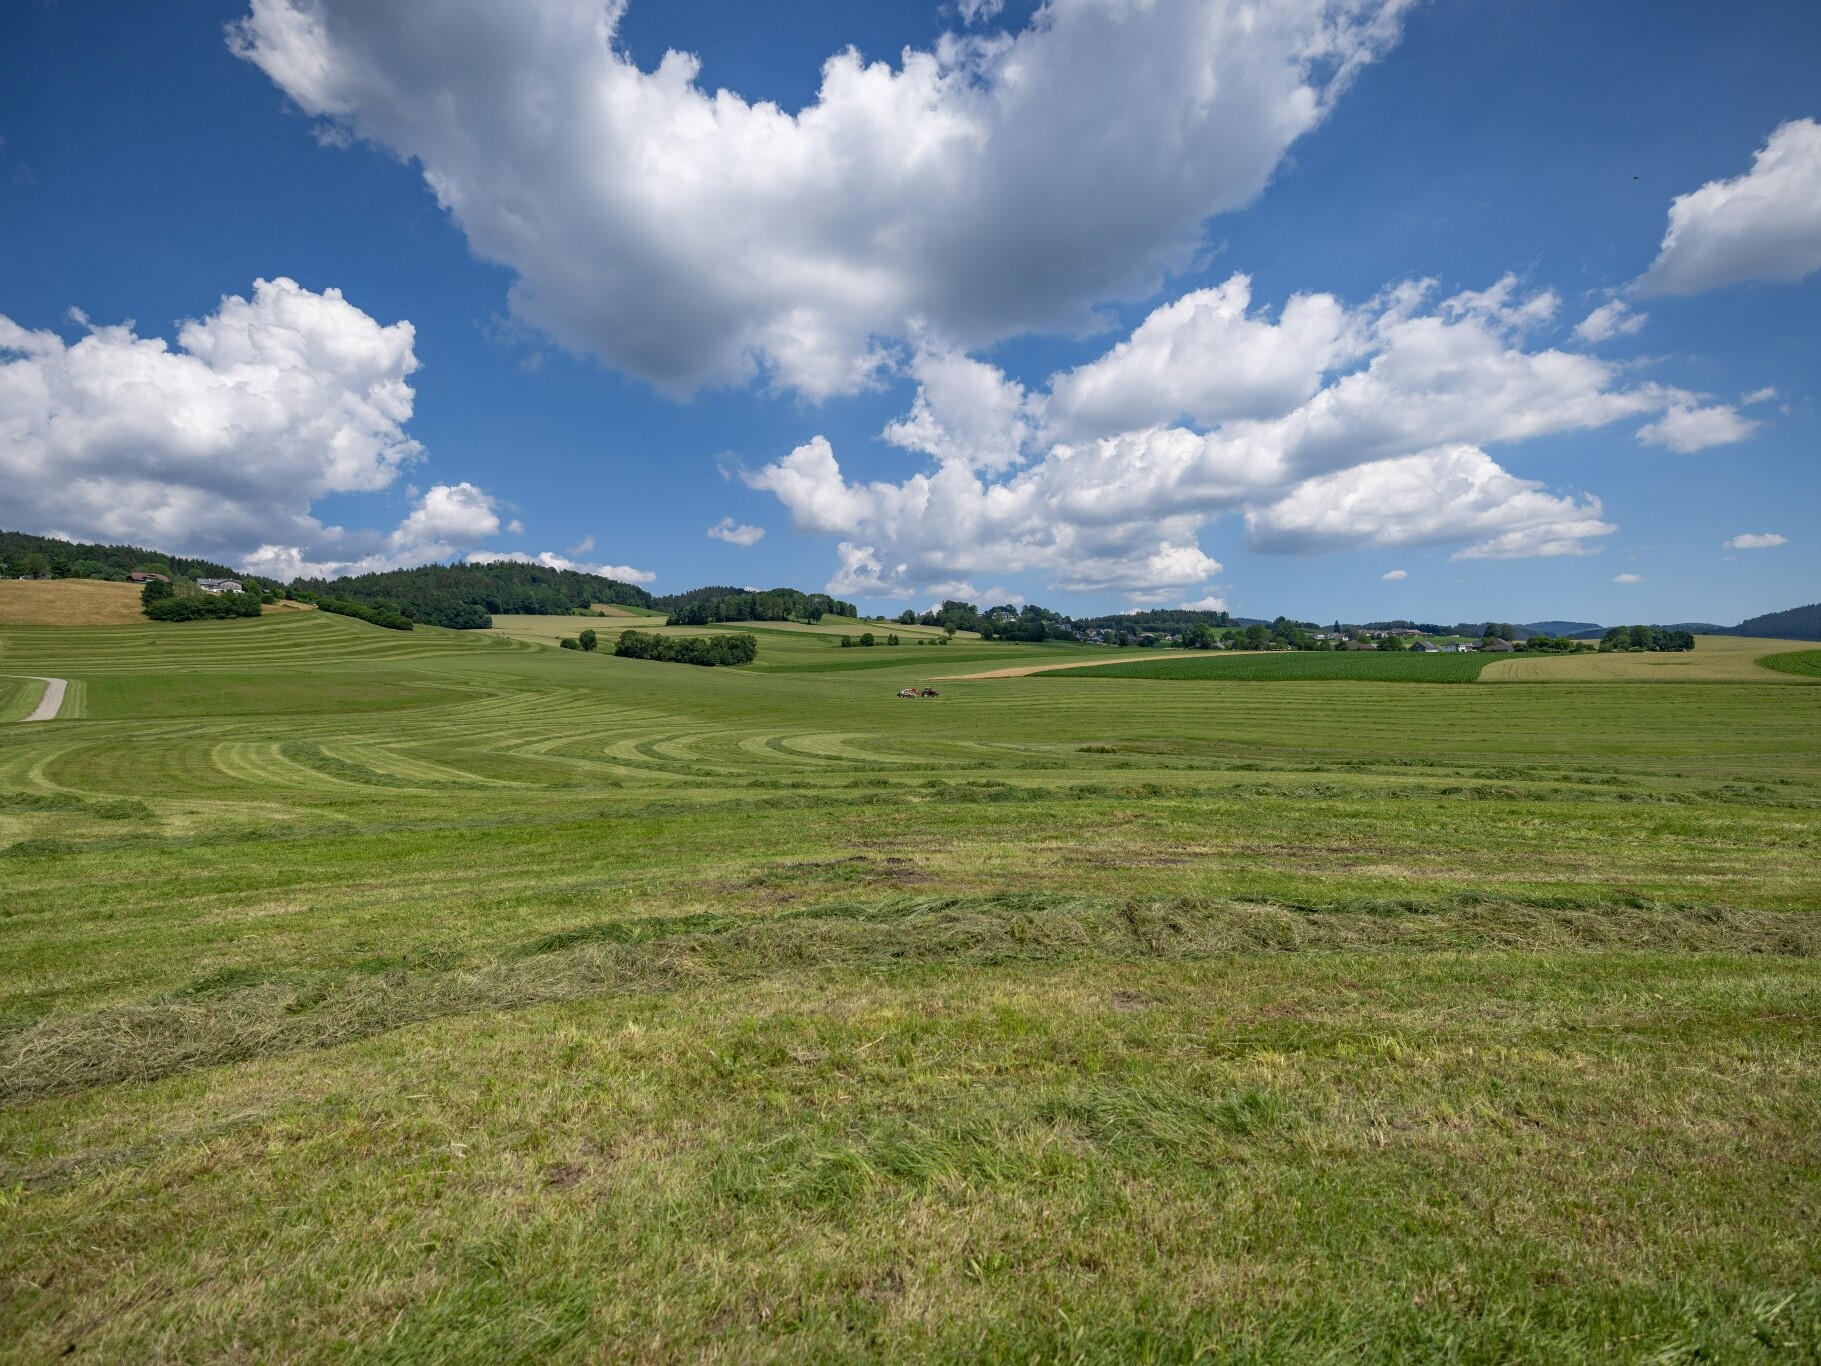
[1330, 307]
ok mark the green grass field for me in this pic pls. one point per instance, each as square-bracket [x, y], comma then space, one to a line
[1360, 666]
[373, 994]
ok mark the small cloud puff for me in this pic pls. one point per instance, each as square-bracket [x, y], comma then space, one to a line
[1613, 319]
[1395, 575]
[1686, 429]
[549, 559]
[1756, 540]
[725, 530]
[1628, 578]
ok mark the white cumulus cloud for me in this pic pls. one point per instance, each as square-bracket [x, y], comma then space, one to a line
[460, 514]
[1395, 575]
[978, 189]
[725, 530]
[1628, 578]
[549, 559]
[219, 444]
[1612, 319]
[1161, 373]
[1455, 493]
[1329, 427]
[1687, 427]
[1763, 225]
[1212, 603]
[1756, 540]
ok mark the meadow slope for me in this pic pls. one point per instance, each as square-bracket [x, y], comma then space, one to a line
[440, 994]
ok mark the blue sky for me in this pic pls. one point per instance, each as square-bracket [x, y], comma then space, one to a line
[1106, 306]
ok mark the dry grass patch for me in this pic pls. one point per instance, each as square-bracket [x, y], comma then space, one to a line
[1715, 659]
[68, 602]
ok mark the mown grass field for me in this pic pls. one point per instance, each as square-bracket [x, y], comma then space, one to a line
[438, 995]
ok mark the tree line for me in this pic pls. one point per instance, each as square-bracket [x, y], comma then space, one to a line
[701, 607]
[720, 649]
[1657, 638]
[465, 596]
[43, 557]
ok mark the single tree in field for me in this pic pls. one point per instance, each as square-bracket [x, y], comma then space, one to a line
[588, 640]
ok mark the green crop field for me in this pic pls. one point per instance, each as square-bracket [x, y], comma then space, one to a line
[436, 995]
[1801, 663]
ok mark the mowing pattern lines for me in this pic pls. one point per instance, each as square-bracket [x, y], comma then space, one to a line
[433, 995]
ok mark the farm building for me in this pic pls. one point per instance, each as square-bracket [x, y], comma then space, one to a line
[220, 585]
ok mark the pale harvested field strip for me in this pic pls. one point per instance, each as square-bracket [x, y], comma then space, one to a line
[1715, 659]
[1026, 670]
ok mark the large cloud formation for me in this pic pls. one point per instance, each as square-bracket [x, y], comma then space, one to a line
[973, 192]
[1328, 427]
[221, 445]
[1764, 225]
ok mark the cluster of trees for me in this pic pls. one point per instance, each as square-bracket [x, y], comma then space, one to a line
[588, 641]
[1005, 622]
[465, 596]
[1557, 645]
[162, 602]
[1660, 638]
[728, 648]
[701, 606]
[1428, 628]
[1157, 621]
[360, 611]
[867, 639]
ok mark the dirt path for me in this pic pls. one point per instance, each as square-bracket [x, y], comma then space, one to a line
[1023, 670]
[52, 701]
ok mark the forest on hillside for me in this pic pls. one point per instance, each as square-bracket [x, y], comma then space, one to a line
[20, 552]
[465, 596]
[1798, 623]
[701, 606]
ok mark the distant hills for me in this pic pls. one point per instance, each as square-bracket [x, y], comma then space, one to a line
[1798, 623]
[466, 595]
[1559, 628]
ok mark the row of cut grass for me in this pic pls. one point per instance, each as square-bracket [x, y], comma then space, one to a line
[432, 994]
